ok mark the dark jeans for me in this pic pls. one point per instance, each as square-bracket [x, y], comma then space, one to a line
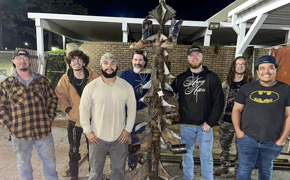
[132, 159]
[74, 138]
[252, 152]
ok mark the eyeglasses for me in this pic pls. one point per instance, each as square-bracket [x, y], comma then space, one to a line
[76, 60]
[240, 65]
[22, 58]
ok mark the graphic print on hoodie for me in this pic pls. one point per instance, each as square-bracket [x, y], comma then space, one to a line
[200, 95]
[193, 85]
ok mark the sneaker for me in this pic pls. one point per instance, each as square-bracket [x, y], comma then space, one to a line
[221, 170]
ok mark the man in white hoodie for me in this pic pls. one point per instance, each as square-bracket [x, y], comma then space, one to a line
[108, 132]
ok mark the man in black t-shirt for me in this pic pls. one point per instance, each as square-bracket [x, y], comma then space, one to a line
[238, 75]
[261, 118]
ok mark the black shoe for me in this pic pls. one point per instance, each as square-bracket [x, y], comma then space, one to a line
[221, 170]
[73, 178]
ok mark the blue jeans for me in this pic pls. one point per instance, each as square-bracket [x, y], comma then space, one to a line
[252, 152]
[45, 151]
[205, 142]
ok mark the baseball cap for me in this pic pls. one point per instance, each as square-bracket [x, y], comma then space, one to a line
[193, 49]
[266, 59]
[108, 56]
[21, 52]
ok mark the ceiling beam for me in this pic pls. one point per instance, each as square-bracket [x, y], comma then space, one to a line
[246, 13]
[250, 34]
[195, 36]
[48, 25]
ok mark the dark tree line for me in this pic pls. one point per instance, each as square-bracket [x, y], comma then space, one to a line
[15, 27]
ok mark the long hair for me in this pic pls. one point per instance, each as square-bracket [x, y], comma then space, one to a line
[231, 75]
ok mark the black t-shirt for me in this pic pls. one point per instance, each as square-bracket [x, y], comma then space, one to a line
[231, 98]
[79, 86]
[264, 108]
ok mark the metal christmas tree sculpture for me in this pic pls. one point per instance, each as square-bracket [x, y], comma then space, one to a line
[157, 134]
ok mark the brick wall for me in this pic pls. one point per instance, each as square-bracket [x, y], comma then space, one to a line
[217, 59]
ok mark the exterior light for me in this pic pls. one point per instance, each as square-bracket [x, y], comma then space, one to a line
[214, 26]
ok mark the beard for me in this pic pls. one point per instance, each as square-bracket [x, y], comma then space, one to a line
[137, 70]
[106, 75]
[196, 65]
[78, 69]
[240, 73]
[24, 69]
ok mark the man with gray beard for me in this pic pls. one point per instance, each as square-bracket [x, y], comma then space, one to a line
[137, 77]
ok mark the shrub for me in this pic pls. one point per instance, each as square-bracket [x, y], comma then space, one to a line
[56, 66]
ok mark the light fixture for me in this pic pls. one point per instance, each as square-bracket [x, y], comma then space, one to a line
[214, 26]
[54, 48]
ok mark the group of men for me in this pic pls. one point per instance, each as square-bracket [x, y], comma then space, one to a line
[104, 109]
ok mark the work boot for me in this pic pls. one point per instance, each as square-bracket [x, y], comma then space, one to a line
[173, 34]
[221, 170]
[108, 176]
[236, 173]
[73, 178]
[146, 33]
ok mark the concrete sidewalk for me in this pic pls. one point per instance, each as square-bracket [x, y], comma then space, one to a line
[8, 168]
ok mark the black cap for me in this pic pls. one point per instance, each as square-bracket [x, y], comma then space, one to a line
[193, 49]
[18, 53]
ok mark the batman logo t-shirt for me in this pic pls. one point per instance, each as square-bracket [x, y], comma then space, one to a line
[264, 108]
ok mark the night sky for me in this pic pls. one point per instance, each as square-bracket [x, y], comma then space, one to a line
[195, 10]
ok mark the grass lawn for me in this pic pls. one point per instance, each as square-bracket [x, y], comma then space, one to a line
[6, 64]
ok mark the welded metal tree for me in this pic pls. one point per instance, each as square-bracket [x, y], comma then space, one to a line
[157, 133]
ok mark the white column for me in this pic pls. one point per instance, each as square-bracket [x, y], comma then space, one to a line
[240, 39]
[287, 38]
[125, 31]
[63, 42]
[207, 37]
[40, 46]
